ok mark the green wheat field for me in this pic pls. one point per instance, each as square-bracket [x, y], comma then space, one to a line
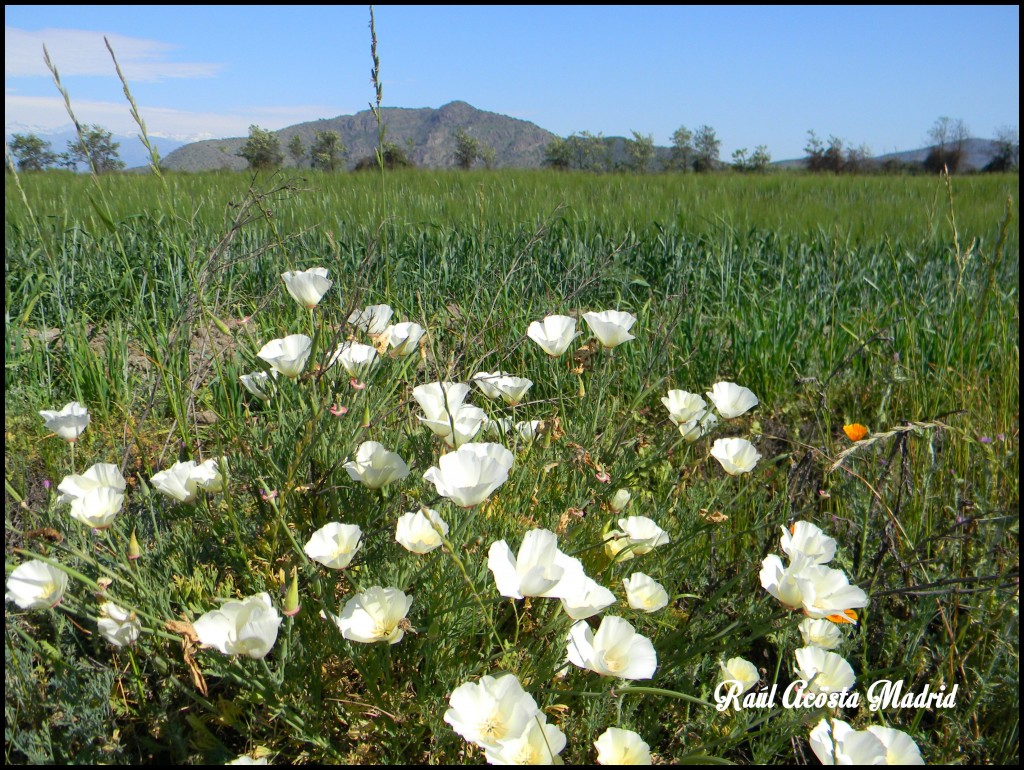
[886, 302]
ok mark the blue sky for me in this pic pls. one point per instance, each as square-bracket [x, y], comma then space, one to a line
[878, 76]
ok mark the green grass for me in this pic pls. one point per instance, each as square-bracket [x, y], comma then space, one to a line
[884, 301]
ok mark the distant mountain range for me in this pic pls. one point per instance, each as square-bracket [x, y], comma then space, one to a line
[428, 138]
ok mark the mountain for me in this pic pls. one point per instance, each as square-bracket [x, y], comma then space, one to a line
[427, 136]
[131, 149]
[977, 154]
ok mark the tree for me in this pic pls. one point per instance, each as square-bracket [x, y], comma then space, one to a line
[707, 147]
[761, 160]
[681, 158]
[815, 150]
[947, 137]
[392, 157]
[558, 154]
[95, 147]
[740, 161]
[467, 149]
[327, 151]
[297, 149]
[1007, 151]
[640, 152]
[489, 156]
[262, 150]
[33, 153]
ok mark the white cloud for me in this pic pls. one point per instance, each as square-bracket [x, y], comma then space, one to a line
[82, 52]
[46, 113]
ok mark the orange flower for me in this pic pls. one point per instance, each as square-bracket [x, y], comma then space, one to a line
[855, 431]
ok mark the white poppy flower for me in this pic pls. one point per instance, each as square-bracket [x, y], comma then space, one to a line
[824, 671]
[307, 286]
[808, 539]
[98, 507]
[117, 625]
[528, 430]
[737, 455]
[511, 389]
[645, 593]
[375, 466]
[540, 569]
[620, 500]
[259, 384]
[554, 334]
[684, 407]
[470, 474]
[819, 591]
[69, 422]
[287, 355]
[900, 748]
[490, 710]
[356, 358]
[209, 475]
[464, 426]
[417, 531]
[585, 598]
[741, 671]
[178, 482]
[615, 650]
[488, 382]
[611, 327]
[246, 627]
[375, 615]
[538, 744]
[335, 544]
[839, 744]
[373, 320]
[635, 536]
[35, 585]
[819, 632]
[622, 747]
[99, 475]
[731, 400]
[403, 338]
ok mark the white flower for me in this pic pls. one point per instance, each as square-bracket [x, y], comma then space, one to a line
[741, 671]
[840, 744]
[538, 744]
[611, 327]
[335, 544]
[731, 400]
[737, 455]
[246, 627]
[69, 422]
[470, 474]
[620, 500]
[178, 482]
[498, 428]
[99, 475]
[488, 382]
[819, 632]
[442, 407]
[528, 430]
[823, 671]
[540, 569]
[464, 426]
[245, 759]
[585, 598]
[512, 389]
[645, 593]
[417, 531]
[307, 286]
[287, 355]
[900, 748]
[373, 320]
[259, 384]
[684, 407]
[807, 539]
[375, 615]
[635, 536]
[375, 466]
[553, 334]
[819, 591]
[209, 475]
[117, 625]
[403, 338]
[98, 507]
[35, 585]
[622, 747]
[356, 358]
[491, 710]
[615, 650]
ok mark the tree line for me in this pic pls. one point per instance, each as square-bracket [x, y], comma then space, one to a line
[691, 151]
